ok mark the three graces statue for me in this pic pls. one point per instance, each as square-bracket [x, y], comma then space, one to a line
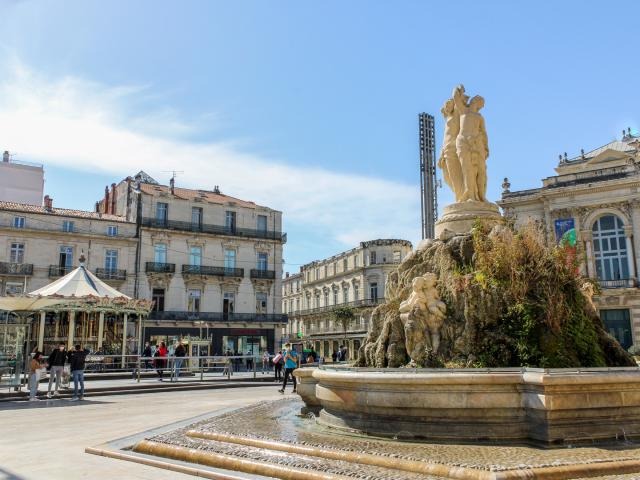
[465, 147]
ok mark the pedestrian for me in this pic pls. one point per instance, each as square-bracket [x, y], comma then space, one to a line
[160, 362]
[179, 354]
[77, 360]
[35, 366]
[310, 358]
[249, 361]
[345, 354]
[334, 356]
[278, 362]
[147, 354]
[290, 364]
[265, 361]
[56, 363]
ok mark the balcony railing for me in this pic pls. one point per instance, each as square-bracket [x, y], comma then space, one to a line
[58, 271]
[111, 274]
[7, 268]
[213, 229]
[365, 302]
[263, 274]
[215, 271]
[157, 267]
[177, 316]
[620, 283]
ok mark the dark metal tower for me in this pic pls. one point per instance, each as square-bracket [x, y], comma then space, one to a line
[428, 182]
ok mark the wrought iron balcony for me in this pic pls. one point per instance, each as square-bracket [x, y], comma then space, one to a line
[58, 271]
[213, 229]
[111, 274]
[215, 271]
[620, 283]
[177, 316]
[365, 302]
[8, 268]
[157, 267]
[263, 274]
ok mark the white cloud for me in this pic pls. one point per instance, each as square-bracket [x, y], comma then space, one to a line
[79, 124]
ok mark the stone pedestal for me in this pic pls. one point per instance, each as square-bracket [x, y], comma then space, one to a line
[460, 217]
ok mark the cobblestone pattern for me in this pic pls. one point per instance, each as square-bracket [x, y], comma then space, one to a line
[279, 421]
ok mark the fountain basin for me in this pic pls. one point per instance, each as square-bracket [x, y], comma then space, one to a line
[549, 406]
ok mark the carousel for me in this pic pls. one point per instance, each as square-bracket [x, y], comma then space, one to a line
[78, 308]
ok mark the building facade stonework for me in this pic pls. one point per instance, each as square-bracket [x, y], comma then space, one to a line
[355, 278]
[593, 205]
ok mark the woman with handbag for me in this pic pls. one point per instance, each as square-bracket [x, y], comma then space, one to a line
[34, 376]
[160, 361]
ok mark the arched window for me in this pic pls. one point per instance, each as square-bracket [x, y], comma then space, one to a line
[610, 248]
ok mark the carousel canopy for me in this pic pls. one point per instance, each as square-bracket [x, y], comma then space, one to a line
[78, 283]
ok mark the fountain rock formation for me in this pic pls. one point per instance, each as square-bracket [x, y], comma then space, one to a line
[494, 297]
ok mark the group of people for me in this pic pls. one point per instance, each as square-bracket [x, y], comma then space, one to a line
[55, 365]
[159, 359]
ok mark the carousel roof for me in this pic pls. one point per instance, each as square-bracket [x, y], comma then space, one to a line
[78, 283]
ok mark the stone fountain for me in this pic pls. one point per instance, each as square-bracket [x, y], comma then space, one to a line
[488, 351]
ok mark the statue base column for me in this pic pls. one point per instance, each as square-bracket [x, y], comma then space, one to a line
[460, 217]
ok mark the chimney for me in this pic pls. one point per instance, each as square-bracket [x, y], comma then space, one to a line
[287, 275]
[113, 199]
[172, 185]
[5, 156]
[97, 207]
[48, 203]
[105, 202]
[216, 189]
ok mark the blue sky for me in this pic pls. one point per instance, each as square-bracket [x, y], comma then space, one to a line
[307, 107]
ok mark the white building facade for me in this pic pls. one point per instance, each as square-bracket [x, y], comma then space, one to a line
[20, 182]
[595, 198]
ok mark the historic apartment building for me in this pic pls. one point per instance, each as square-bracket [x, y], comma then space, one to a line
[355, 278]
[211, 263]
[595, 199]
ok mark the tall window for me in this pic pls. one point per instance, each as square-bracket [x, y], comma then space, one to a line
[326, 298]
[297, 304]
[610, 248]
[67, 226]
[335, 296]
[228, 304]
[18, 222]
[372, 258]
[229, 258]
[373, 291]
[111, 260]
[17, 253]
[66, 258]
[112, 230]
[193, 302]
[618, 324]
[262, 223]
[230, 221]
[195, 256]
[345, 265]
[356, 292]
[162, 213]
[263, 259]
[355, 261]
[196, 218]
[158, 299]
[261, 302]
[160, 253]
[345, 294]
[397, 256]
[326, 271]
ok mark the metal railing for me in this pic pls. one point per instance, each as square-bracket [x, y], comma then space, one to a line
[218, 316]
[8, 268]
[365, 302]
[620, 283]
[111, 274]
[263, 274]
[58, 271]
[158, 267]
[212, 229]
[214, 271]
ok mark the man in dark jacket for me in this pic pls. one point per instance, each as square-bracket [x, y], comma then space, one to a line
[77, 360]
[147, 353]
[55, 364]
[179, 354]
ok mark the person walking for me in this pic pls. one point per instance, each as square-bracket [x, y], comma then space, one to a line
[147, 354]
[160, 360]
[290, 364]
[249, 361]
[179, 355]
[56, 363]
[265, 361]
[77, 360]
[35, 365]
[278, 362]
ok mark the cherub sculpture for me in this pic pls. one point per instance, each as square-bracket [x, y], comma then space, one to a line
[422, 314]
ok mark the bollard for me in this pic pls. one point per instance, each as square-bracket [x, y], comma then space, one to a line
[229, 368]
[139, 368]
[255, 360]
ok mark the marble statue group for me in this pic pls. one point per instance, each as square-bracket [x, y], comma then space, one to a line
[465, 147]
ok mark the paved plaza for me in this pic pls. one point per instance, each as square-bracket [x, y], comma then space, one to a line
[46, 440]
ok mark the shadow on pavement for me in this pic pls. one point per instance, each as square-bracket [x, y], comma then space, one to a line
[46, 403]
[7, 475]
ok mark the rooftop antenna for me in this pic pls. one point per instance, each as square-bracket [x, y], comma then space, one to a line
[172, 182]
